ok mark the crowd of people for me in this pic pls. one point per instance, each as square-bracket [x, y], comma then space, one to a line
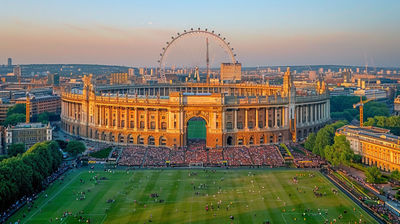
[132, 156]
[142, 156]
[305, 159]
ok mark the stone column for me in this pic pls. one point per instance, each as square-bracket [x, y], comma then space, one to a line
[157, 121]
[145, 119]
[307, 114]
[235, 120]
[286, 116]
[256, 118]
[126, 119]
[118, 116]
[313, 113]
[135, 125]
[223, 121]
[266, 118]
[245, 119]
[276, 117]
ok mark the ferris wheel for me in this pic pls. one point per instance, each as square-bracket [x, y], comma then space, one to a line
[193, 32]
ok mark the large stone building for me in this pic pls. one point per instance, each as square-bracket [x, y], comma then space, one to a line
[235, 114]
[376, 146]
[29, 134]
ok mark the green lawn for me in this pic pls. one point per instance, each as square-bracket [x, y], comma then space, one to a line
[197, 129]
[251, 196]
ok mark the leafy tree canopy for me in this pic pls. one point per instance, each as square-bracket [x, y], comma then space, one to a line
[16, 149]
[75, 147]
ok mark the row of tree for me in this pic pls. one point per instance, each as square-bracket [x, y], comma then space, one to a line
[16, 114]
[342, 108]
[24, 174]
[392, 123]
[335, 149]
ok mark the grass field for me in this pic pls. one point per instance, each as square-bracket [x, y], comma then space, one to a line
[250, 196]
[197, 129]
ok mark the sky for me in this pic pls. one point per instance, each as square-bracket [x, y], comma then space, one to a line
[132, 33]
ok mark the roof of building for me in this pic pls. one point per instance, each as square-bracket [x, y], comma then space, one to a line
[374, 132]
[30, 125]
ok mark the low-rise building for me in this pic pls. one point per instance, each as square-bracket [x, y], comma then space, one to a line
[28, 133]
[375, 145]
[397, 106]
[3, 110]
[40, 104]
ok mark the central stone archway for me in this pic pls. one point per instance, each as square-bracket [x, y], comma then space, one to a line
[196, 132]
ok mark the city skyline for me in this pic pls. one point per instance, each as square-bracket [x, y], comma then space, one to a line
[266, 33]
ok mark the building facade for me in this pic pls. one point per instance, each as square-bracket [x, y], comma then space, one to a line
[235, 114]
[231, 72]
[29, 134]
[118, 78]
[376, 146]
[397, 106]
[41, 104]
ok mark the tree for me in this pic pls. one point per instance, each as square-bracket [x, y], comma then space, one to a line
[75, 147]
[16, 109]
[395, 175]
[25, 174]
[340, 152]
[44, 117]
[373, 174]
[324, 137]
[63, 144]
[14, 119]
[372, 109]
[310, 142]
[16, 149]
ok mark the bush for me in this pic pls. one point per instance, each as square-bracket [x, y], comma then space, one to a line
[101, 154]
[75, 147]
[16, 149]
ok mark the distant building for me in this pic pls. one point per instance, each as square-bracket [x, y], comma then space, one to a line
[131, 73]
[119, 78]
[53, 79]
[397, 106]
[231, 72]
[376, 94]
[312, 75]
[9, 62]
[375, 145]
[29, 134]
[40, 104]
[17, 71]
[3, 110]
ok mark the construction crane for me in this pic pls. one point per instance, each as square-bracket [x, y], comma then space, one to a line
[361, 105]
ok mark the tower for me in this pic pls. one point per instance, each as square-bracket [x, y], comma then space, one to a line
[208, 63]
[28, 109]
[287, 82]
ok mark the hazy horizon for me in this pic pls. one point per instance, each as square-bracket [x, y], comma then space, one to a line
[132, 33]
